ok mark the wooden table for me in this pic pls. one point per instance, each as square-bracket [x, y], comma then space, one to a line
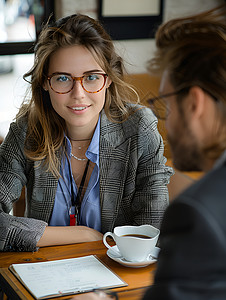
[138, 279]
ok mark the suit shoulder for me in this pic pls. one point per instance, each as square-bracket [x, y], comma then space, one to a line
[207, 195]
[213, 183]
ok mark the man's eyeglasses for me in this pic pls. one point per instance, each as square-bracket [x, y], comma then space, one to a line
[63, 83]
[158, 104]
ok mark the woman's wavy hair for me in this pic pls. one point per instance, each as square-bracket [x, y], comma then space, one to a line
[193, 50]
[45, 132]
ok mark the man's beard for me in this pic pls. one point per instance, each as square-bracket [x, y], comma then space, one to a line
[185, 152]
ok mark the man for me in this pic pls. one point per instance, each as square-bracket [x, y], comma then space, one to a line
[191, 59]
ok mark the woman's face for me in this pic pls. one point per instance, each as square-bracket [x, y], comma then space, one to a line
[78, 108]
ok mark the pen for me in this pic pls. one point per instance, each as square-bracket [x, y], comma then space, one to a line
[102, 292]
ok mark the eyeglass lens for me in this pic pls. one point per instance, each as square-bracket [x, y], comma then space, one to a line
[63, 83]
[158, 107]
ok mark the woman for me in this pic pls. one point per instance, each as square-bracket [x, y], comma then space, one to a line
[86, 155]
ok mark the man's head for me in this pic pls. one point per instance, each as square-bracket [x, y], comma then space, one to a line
[191, 58]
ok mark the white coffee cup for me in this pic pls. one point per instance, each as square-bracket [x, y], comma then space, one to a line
[135, 243]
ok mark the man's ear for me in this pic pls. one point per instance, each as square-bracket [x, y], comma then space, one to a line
[195, 104]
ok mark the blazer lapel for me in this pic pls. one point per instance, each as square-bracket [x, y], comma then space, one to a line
[114, 156]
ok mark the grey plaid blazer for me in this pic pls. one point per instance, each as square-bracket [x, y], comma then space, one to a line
[133, 180]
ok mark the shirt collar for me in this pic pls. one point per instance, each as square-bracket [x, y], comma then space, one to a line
[94, 145]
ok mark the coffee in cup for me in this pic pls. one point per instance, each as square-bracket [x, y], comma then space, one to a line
[135, 243]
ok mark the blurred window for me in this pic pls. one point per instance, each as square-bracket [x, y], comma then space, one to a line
[20, 24]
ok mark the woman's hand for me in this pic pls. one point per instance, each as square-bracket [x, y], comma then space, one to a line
[62, 235]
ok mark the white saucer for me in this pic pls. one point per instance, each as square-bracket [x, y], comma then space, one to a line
[114, 254]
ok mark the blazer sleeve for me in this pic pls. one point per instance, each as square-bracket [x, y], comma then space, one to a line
[191, 263]
[16, 234]
[152, 175]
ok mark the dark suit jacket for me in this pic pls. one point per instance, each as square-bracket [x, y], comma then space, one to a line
[192, 260]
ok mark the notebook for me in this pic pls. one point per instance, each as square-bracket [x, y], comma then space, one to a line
[66, 276]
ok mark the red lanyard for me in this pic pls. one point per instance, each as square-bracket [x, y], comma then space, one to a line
[74, 218]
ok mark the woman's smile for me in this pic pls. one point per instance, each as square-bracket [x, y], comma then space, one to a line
[79, 109]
